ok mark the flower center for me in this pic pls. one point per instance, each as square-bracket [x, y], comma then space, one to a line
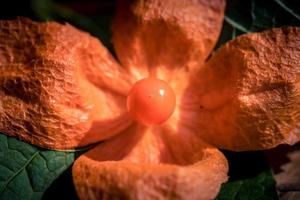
[151, 101]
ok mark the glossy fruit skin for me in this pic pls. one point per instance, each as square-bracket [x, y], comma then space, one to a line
[151, 101]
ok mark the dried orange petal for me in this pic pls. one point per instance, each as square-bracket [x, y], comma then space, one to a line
[59, 87]
[154, 36]
[248, 95]
[150, 164]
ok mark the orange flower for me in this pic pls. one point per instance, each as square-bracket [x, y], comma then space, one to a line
[60, 89]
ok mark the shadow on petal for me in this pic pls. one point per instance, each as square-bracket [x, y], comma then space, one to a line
[141, 164]
[247, 95]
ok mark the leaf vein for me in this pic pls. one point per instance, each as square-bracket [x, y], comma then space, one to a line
[236, 24]
[287, 9]
[18, 172]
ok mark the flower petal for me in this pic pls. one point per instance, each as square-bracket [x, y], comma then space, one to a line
[155, 36]
[141, 164]
[248, 95]
[59, 87]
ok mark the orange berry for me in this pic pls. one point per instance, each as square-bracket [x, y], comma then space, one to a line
[151, 101]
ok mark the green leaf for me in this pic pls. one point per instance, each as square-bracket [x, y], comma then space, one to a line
[250, 178]
[258, 187]
[27, 171]
[256, 15]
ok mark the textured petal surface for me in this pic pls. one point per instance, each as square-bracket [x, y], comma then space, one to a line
[150, 164]
[59, 87]
[248, 95]
[165, 37]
